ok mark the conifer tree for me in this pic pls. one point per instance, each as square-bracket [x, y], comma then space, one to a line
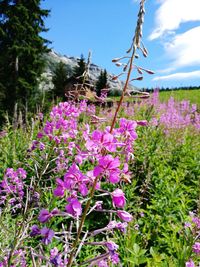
[60, 77]
[80, 69]
[21, 50]
[101, 82]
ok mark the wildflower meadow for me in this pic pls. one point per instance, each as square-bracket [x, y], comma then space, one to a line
[87, 185]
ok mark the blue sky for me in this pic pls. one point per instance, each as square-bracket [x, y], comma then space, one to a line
[171, 33]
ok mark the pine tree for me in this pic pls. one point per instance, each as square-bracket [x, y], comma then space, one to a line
[21, 50]
[60, 77]
[80, 69]
[101, 82]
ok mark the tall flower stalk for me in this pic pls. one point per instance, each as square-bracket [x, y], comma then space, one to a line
[135, 45]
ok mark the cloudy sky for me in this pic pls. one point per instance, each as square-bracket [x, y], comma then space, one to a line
[105, 27]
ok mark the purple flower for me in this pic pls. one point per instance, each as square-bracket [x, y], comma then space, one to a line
[108, 166]
[60, 189]
[47, 234]
[45, 215]
[122, 226]
[125, 216]
[35, 230]
[57, 260]
[142, 123]
[74, 207]
[111, 246]
[115, 258]
[196, 220]
[118, 198]
[102, 263]
[190, 263]
[196, 248]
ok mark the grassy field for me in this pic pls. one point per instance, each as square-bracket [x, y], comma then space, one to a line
[192, 95]
[161, 185]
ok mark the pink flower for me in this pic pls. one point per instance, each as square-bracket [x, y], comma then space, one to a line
[102, 263]
[196, 220]
[127, 128]
[118, 198]
[108, 166]
[101, 140]
[189, 263]
[196, 248]
[74, 207]
[125, 216]
[74, 178]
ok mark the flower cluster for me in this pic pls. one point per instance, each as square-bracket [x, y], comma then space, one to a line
[93, 159]
[173, 114]
[19, 259]
[12, 187]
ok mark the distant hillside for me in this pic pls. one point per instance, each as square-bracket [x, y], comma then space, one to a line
[52, 58]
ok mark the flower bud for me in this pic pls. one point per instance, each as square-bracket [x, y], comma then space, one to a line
[125, 216]
[118, 198]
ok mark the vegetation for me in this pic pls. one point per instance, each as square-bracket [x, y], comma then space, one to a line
[102, 82]
[79, 70]
[59, 79]
[164, 190]
[87, 186]
[21, 50]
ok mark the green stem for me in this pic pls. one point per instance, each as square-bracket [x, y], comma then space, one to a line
[70, 262]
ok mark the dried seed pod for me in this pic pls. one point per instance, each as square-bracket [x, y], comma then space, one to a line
[150, 71]
[140, 78]
[125, 67]
[118, 64]
[129, 50]
[115, 59]
[139, 71]
[114, 78]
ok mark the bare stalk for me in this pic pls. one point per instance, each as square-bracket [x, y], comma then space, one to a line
[134, 46]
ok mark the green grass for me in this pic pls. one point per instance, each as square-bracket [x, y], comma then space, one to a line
[165, 187]
[192, 95]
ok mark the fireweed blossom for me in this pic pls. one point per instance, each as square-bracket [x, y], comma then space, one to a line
[79, 160]
[196, 248]
[45, 215]
[100, 140]
[118, 198]
[190, 263]
[124, 215]
[12, 186]
[35, 230]
[108, 167]
[74, 207]
[47, 235]
[73, 180]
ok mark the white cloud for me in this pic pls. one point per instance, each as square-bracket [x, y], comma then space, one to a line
[172, 13]
[179, 76]
[183, 49]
